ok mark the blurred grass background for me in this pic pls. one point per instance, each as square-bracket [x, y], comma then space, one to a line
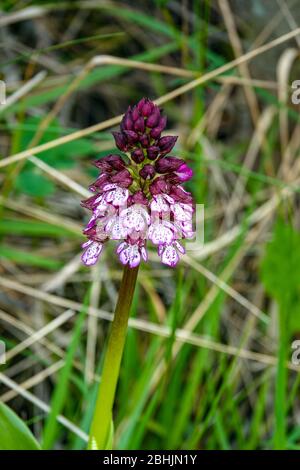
[208, 359]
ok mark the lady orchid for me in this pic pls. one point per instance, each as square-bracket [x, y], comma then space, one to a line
[139, 195]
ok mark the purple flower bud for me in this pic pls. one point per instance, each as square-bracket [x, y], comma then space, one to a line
[153, 119]
[138, 156]
[180, 195]
[90, 202]
[145, 106]
[168, 164]
[139, 125]
[109, 163]
[147, 172]
[140, 104]
[155, 133]
[159, 186]
[122, 178]
[100, 182]
[152, 152]
[166, 143]
[127, 121]
[138, 198]
[144, 140]
[121, 141]
[135, 113]
[132, 136]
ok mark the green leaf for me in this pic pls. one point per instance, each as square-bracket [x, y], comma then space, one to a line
[14, 434]
[35, 184]
[280, 268]
[110, 440]
[35, 228]
[27, 258]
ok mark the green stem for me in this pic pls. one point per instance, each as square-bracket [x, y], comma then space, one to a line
[102, 419]
[281, 382]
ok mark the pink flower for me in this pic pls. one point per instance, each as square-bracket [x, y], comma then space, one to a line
[139, 198]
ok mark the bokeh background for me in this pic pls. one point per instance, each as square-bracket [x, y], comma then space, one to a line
[209, 360]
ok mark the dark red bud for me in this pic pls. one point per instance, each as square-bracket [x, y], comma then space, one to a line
[166, 143]
[141, 103]
[168, 164]
[138, 156]
[155, 133]
[135, 113]
[139, 125]
[145, 107]
[121, 141]
[111, 162]
[153, 119]
[127, 122]
[131, 136]
[144, 140]
[147, 172]
[180, 195]
[122, 178]
[100, 182]
[139, 198]
[90, 202]
[159, 186]
[152, 152]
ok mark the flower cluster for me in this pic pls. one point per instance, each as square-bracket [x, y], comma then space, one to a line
[138, 196]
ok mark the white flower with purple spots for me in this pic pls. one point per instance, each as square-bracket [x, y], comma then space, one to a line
[139, 198]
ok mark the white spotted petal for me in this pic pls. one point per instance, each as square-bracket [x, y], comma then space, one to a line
[169, 256]
[130, 255]
[182, 212]
[115, 228]
[160, 233]
[159, 204]
[117, 196]
[91, 254]
[135, 217]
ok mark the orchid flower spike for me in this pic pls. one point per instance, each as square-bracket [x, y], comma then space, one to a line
[138, 197]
